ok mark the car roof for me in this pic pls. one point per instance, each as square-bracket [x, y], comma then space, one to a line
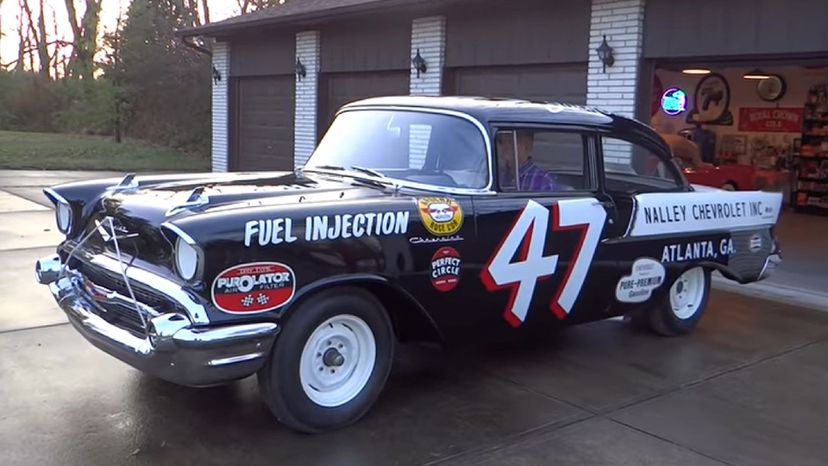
[491, 111]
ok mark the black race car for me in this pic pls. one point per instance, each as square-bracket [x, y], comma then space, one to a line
[414, 219]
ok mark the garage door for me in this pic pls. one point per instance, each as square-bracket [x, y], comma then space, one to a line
[338, 89]
[559, 83]
[263, 127]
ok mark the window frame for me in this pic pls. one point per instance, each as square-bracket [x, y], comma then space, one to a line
[666, 158]
[591, 160]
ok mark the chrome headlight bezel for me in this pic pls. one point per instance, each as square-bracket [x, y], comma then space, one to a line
[63, 217]
[185, 252]
[64, 214]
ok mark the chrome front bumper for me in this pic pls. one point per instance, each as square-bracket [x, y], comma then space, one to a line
[172, 348]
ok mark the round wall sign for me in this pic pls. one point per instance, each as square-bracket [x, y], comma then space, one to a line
[771, 89]
[711, 102]
[674, 101]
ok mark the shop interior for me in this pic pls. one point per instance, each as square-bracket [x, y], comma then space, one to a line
[752, 126]
[756, 125]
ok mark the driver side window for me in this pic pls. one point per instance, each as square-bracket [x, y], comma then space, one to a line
[541, 160]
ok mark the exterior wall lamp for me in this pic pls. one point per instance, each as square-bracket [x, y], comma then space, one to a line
[216, 75]
[605, 54]
[419, 64]
[301, 71]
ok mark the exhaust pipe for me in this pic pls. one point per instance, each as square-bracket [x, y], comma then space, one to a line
[47, 269]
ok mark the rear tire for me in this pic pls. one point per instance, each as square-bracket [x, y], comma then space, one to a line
[730, 186]
[680, 310]
[330, 361]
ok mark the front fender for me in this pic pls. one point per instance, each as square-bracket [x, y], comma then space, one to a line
[410, 319]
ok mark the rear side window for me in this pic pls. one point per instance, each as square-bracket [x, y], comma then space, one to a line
[632, 167]
[538, 160]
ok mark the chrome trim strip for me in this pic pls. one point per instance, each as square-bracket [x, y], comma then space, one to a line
[487, 190]
[181, 233]
[198, 337]
[54, 196]
[235, 359]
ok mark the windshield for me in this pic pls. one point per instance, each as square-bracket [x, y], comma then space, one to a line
[419, 147]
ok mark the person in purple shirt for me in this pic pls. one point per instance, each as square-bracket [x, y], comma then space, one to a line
[531, 177]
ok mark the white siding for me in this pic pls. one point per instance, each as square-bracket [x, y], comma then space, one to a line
[307, 92]
[220, 146]
[622, 21]
[428, 35]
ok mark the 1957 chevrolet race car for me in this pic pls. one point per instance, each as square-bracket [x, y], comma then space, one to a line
[414, 219]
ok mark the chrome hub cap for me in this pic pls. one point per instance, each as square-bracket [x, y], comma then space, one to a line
[337, 361]
[687, 293]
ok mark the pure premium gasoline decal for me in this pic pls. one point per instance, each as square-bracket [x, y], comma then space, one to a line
[445, 269]
[441, 216]
[256, 287]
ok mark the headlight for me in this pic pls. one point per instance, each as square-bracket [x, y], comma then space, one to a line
[186, 259]
[63, 215]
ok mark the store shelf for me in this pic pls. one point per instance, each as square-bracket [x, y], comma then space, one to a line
[812, 157]
[813, 193]
[816, 120]
[813, 180]
[814, 135]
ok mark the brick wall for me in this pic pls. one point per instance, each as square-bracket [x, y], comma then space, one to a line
[622, 21]
[220, 146]
[428, 35]
[307, 96]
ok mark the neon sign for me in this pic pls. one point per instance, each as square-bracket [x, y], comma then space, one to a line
[674, 101]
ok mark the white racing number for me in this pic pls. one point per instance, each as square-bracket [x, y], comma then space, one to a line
[526, 240]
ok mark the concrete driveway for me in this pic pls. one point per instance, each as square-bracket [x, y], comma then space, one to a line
[747, 389]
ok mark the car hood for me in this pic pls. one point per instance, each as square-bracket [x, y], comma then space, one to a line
[166, 202]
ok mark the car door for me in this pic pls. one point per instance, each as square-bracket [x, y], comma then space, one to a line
[538, 235]
[634, 165]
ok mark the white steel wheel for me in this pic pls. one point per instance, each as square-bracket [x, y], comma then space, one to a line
[688, 293]
[337, 360]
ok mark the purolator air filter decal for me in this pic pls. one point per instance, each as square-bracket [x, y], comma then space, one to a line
[256, 287]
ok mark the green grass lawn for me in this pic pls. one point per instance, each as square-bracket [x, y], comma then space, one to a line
[51, 151]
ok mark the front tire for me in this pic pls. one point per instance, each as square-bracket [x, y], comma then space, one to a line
[680, 311]
[330, 362]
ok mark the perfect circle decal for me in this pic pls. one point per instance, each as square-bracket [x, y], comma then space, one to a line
[445, 269]
[256, 287]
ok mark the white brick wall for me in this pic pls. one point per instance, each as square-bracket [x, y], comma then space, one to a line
[221, 61]
[622, 21]
[428, 35]
[307, 92]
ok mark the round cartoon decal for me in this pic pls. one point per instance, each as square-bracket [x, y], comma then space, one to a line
[257, 287]
[441, 216]
[445, 269]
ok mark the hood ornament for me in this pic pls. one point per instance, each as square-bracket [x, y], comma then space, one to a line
[195, 199]
[128, 183]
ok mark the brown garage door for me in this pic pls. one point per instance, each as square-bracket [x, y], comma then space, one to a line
[338, 89]
[565, 83]
[262, 136]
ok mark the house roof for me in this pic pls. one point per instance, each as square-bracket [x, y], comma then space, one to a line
[296, 11]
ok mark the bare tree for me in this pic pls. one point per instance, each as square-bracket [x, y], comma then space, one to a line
[246, 6]
[85, 38]
[37, 34]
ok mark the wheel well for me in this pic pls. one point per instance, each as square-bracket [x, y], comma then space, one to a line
[409, 319]
[731, 182]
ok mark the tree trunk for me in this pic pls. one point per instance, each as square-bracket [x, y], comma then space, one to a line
[85, 43]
